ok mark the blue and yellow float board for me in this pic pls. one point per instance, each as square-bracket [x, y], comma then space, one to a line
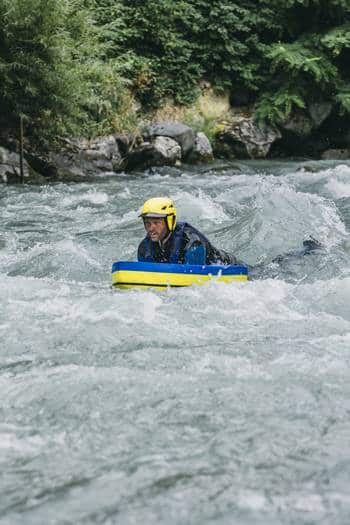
[162, 275]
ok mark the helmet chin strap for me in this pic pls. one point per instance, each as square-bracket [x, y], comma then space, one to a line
[166, 238]
[172, 222]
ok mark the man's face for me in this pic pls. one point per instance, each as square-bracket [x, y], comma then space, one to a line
[156, 228]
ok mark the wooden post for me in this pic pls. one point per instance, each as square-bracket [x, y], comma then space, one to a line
[21, 149]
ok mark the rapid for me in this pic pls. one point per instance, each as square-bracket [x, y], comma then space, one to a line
[218, 404]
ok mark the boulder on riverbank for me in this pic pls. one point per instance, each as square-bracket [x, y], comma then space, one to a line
[168, 144]
[81, 157]
[181, 133]
[161, 151]
[241, 137]
[10, 167]
[312, 132]
[75, 159]
[336, 154]
[10, 170]
[202, 150]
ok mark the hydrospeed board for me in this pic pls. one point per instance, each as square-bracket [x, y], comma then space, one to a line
[163, 275]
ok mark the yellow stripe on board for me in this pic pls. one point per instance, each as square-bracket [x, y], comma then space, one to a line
[132, 279]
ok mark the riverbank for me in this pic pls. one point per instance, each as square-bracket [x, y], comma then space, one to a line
[210, 130]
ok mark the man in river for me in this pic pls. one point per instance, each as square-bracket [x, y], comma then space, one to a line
[170, 241]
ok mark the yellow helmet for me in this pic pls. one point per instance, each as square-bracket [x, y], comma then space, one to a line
[160, 207]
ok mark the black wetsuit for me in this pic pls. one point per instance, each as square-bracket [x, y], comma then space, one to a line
[186, 245]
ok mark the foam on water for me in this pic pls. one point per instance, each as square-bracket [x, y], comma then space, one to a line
[332, 182]
[199, 207]
[92, 197]
[339, 189]
[225, 403]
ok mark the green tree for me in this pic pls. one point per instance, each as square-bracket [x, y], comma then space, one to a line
[308, 63]
[53, 70]
[280, 54]
[69, 66]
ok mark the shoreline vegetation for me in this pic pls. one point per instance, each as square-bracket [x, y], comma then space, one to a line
[116, 85]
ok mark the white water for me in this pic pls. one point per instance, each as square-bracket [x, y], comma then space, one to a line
[220, 404]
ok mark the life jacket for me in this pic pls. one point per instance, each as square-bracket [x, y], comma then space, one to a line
[176, 240]
[177, 246]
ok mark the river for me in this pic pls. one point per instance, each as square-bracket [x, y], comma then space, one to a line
[221, 404]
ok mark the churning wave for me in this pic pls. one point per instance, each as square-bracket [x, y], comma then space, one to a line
[225, 403]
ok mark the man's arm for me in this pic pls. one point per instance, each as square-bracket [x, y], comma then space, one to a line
[195, 254]
[141, 252]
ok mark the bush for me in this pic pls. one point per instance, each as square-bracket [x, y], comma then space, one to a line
[267, 49]
[73, 66]
[53, 69]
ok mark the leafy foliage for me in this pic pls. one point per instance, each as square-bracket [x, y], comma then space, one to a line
[297, 59]
[281, 54]
[275, 108]
[337, 39]
[75, 65]
[343, 98]
[51, 69]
